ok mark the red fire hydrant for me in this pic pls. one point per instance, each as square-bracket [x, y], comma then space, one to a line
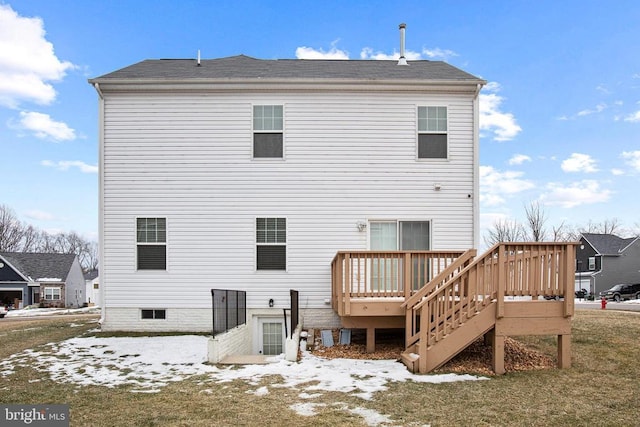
[603, 303]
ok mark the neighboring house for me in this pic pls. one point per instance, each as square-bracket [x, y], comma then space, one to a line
[47, 279]
[604, 260]
[248, 174]
[92, 281]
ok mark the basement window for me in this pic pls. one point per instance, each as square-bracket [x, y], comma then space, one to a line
[154, 314]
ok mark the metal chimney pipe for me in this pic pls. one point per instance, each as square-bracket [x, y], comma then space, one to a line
[402, 60]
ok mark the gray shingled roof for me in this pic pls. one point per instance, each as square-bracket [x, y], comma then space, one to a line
[244, 67]
[40, 265]
[607, 244]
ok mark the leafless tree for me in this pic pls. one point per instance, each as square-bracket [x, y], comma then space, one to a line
[15, 236]
[504, 230]
[536, 219]
[608, 226]
[11, 230]
[564, 233]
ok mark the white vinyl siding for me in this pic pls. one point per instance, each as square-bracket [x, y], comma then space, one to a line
[349, 158]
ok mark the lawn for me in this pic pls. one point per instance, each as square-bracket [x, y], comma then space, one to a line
[602, 388]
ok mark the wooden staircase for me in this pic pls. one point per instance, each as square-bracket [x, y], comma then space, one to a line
[467, 301]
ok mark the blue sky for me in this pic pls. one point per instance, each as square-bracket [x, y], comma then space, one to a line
[560, 117]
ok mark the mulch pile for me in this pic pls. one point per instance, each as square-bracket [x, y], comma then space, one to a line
[475, 359]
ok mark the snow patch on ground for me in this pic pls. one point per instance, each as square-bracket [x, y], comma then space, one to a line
[34, 312]
[149, 363]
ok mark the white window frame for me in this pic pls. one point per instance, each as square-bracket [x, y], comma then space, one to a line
[52, 294]
[165, 243]
[592, 263]
[285, 243]
[419, 132]
[254, 131]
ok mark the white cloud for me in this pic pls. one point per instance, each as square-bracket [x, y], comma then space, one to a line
[634, 117]
[617, 172]
[438, 53]
[368, 53]
[575, 194]
[578, 162]
[27, 60]
[632, 158]
[39, 215]
[495, 185]
[603, 89]
[65, 165]
[44, 127]
[519, 159]
[304, 52]
[503, 125]
[598, 109]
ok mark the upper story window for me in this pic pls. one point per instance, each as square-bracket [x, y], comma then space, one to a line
[271, 243]
[592, 263]
[432, 133]
[267, 132]
[151, 236]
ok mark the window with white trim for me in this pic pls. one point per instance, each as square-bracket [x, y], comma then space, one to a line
[52, 294]
[151, 236]
[432, 133]
[268, 132]
[271, 243]
[592, 263]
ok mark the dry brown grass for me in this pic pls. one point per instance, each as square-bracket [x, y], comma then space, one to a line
[601, 388]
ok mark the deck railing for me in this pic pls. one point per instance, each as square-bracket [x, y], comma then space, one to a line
[412, 324]
[383, 274]
[506, 270]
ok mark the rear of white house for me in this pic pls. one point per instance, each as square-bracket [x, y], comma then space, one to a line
[247, 174]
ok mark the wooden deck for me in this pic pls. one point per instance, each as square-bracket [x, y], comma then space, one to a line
[446, 300]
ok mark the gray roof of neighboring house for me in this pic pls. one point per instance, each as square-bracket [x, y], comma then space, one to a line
[91, 274]
[41, 265]
[244, 67]
[607, 244]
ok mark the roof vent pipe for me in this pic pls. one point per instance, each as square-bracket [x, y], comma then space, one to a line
[402, 60]
[198, 57]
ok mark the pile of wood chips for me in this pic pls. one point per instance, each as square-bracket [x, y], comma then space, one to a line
[476, 359]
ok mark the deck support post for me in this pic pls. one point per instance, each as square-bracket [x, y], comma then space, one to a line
[564, 351]
[371, 340]
[497, 347]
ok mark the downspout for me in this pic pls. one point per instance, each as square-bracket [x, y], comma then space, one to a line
[101, 269]
[97, 88]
